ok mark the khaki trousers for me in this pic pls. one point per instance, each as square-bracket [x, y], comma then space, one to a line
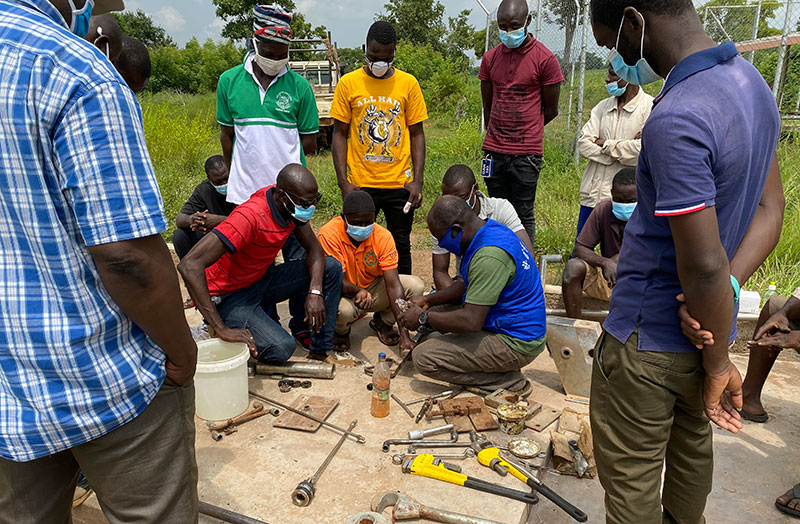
[647, 410]
[143, 472]
[471, 359]
[349, 313]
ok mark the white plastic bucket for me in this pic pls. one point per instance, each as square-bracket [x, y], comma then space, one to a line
[221, 379]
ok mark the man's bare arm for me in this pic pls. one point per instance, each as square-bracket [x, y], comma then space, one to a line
[309, 142]
[550, 95]
[339, 153]
[226, 138]
[487, 95]
[441, 271]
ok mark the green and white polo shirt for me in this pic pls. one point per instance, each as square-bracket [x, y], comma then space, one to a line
[267, 124]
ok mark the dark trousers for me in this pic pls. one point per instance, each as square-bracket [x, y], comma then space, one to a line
[514, 177]
[392, 202]
[583, 216]
[183, 240]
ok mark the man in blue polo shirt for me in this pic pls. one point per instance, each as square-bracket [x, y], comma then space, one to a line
[709, 208]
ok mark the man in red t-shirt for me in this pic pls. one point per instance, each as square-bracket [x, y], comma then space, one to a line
[520, 84]
[231, 277]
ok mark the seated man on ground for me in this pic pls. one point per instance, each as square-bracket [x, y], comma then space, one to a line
[500, 326]
[371, 281]
[205, 209]
[234, 265]
[460, 181]
[592, 273]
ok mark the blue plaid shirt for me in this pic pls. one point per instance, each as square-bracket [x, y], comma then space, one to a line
[74, 172]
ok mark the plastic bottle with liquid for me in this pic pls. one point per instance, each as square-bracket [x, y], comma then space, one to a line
[380, 388]
[772, 291]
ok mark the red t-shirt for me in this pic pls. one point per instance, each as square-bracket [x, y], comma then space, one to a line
[253, 233]
[517, 75]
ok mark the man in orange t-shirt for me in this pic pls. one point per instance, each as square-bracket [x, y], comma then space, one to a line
[371, 281]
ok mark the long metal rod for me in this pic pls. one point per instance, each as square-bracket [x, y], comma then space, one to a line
[776, 83]
[333, 452]
[360, 438]
[226, 514]
[581, 81]
[755, 30]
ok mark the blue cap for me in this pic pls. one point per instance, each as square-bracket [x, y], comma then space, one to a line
[381, 355]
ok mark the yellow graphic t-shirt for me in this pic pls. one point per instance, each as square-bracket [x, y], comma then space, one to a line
[379, 112]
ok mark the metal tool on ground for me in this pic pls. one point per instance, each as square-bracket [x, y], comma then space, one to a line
[581, 466]
[465, 414]
[406, 508]
[570, 343]
[426, 406]
[286, 385]
[540, 487]
[407, 441]
[367, 517]
[226, 515]
[417, 434]
[402, 405]
[394, 365]
[468, 453]
[434, 397]
[479, 444]
[359, 438]
[326, 370]
[304, 492]
[423, 465]
[217, 427]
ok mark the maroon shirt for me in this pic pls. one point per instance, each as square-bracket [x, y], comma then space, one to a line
[603, 228]
[517, 75]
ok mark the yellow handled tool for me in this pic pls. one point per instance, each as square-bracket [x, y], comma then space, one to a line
[491, 456]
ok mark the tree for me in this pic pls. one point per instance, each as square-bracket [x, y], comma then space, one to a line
[238, 17]
[732, 20]
[417, 21]
[479, 39]
[140, 25]
[460, 37]
[350, 58]
[564, 13]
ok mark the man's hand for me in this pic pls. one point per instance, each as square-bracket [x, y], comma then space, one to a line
[600, 142]
[719, 407]
[420, 301]
[610, 271]
[777, 323]
[182, 372]
[691, 328]
[414, 189]
[238, 335]
[637, 136]
[315, 312]
[347, 188]
[778, 341]
[406, 344]
[410, 317]
[199, 221]
[363, 299]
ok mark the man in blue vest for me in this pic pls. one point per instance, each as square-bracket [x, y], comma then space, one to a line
[500, 326]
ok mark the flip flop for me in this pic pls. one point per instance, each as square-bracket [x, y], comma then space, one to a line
[341, 342]
[304, 339]
[754, 417]
[787, 510]
[385, 339]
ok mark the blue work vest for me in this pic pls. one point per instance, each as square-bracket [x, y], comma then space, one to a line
[520, 310]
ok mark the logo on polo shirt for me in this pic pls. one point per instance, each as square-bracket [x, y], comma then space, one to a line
[371, 259]
[284, 101]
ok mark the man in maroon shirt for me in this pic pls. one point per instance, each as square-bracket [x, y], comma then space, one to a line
[520, 84]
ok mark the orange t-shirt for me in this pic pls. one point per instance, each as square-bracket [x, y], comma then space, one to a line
[364, 263]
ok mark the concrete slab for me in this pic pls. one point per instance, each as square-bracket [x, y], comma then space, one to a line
[255, 470]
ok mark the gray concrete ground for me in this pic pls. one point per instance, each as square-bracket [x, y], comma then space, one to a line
[255, 470]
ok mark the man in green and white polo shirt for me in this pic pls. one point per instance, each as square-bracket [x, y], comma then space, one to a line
[267, 112]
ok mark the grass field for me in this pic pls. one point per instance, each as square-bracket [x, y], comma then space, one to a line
[182, 132]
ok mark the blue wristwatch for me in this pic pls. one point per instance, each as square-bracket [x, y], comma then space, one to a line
[736, 290]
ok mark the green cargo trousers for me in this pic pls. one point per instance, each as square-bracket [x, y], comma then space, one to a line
[647, 409]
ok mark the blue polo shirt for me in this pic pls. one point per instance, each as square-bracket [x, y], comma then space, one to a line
[709, 141]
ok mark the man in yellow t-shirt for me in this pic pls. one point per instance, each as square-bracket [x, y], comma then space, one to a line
[378, 112]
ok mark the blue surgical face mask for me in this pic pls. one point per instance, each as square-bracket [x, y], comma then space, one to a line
[615, 90]
[451, 244]
[359, 233]
[639, 74]
[222, 190]
[623, 211]
[513, 39]
[301, 214]
[80, 18]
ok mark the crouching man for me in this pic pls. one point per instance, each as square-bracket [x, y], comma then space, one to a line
[235, 266]
[500, 326]
[371, 281]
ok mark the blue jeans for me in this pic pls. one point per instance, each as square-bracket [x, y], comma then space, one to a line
[247, 308]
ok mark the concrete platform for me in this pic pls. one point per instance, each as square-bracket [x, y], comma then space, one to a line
[255, 470]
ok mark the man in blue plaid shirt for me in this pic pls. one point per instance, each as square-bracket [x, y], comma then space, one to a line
[96, 359]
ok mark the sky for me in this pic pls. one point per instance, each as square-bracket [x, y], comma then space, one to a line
[348, 20]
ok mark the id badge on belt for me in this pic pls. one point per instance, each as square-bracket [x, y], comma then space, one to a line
[487, 166]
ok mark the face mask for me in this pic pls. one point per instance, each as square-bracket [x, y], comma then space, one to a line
[472, 205]
[108, 46]
[513, 39]
[269, 66]
[80, 18]
[623, 211]
[379, 69]
[451, 244]
[222, 190]
[301, 214]
[639, 74]
[359, 233]
[615, 90]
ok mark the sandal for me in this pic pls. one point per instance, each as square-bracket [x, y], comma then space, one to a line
[304, 339]
[754, 417]
[341, 342]
[792, 494]
[387, 339]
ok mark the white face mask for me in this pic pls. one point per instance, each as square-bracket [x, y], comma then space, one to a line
[379, 69]
[269, 66]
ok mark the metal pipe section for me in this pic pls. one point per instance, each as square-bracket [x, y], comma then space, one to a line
[752, 55]
[776, 83]
[485, 49]
[538, 19]
[226, 515]
[582, 80]
[298, 369]
[418, 434]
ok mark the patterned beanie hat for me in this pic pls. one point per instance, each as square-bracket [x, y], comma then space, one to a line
[271, 23]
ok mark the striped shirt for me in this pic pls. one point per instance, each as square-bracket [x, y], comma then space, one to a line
[253, 234]
[74, 172]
